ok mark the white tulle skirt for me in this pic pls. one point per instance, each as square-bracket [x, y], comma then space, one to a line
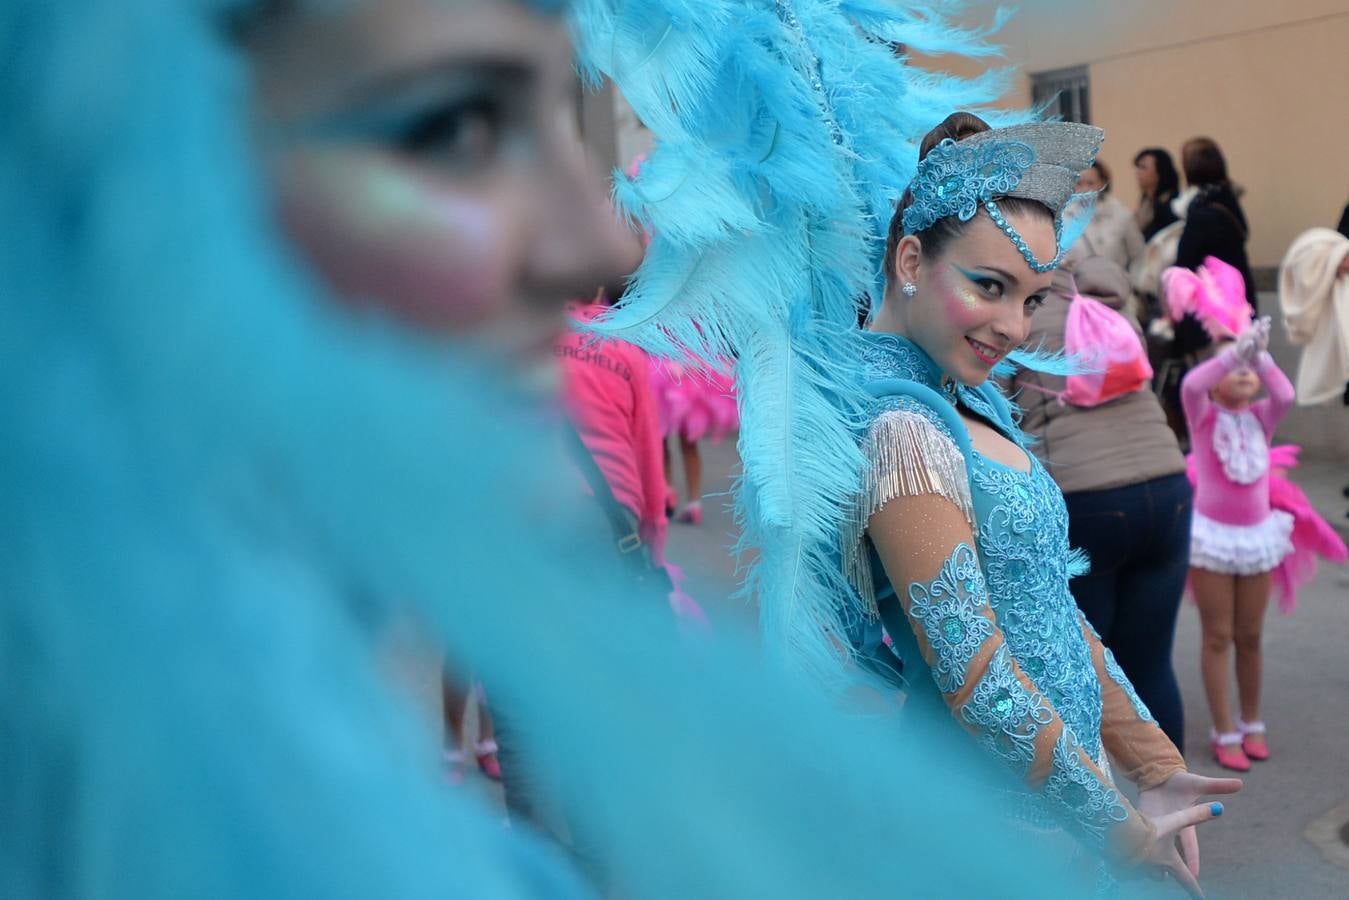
[1240, 549]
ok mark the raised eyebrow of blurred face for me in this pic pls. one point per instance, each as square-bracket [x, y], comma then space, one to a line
[385, 103]
[327, 61]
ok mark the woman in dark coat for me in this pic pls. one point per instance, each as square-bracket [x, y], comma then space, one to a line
[1215, 224]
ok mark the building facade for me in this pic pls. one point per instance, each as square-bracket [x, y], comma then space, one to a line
[1268, 81]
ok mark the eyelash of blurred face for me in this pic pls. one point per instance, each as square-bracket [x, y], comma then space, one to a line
[1034, 302]
[466, 132]
[461, 126]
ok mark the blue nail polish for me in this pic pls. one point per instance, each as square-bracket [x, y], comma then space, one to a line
[1216, 809]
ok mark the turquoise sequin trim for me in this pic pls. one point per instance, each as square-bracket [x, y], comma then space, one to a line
[1007, 713]
[1020, 243]
[950, 610]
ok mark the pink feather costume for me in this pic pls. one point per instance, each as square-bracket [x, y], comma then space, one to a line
[1248, 518]
[693, 401]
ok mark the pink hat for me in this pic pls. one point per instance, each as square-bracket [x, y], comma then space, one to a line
[632, 171]
[1215, 295]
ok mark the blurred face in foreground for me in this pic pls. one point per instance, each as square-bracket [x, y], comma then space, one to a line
[427, 163]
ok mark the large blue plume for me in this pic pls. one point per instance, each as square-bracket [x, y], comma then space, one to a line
[785, 131]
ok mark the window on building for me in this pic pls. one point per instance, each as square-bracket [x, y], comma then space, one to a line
[1063, 92]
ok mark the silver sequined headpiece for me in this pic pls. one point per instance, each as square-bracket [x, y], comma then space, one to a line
[1037, 161]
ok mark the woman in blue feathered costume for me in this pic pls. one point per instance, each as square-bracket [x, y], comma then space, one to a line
[960, 540]
[272, 273]
[768, 195]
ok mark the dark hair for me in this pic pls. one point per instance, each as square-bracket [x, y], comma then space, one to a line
[957, 127]
[1104, 173]
[1203, 162]
[1168, 179]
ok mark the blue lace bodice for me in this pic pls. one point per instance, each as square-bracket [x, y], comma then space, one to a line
[996, 634]
[1023, 548]
[1022, 541]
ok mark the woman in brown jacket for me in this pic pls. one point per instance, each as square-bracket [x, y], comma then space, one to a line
[1123, 478]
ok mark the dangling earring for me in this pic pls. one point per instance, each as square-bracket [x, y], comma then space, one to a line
[909, 289]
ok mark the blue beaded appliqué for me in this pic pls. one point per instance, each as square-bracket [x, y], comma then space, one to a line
[1094, 806]
[956, 179]
[1008, 714]
[1023, 540]
[951, 609]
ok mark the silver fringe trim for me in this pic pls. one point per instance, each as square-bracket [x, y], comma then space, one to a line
[908, 457]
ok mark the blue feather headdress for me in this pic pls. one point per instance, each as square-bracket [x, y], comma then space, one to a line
[786, 131]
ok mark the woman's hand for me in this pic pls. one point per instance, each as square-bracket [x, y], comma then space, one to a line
[1171, 807]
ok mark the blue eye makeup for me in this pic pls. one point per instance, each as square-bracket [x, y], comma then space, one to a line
[991, 286]
[459, 119]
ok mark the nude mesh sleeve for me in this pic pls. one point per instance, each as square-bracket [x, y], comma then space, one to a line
[1130, 734]
[907, 456]
[927, 550]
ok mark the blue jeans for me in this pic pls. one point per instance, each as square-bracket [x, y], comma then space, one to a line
[1138, 538]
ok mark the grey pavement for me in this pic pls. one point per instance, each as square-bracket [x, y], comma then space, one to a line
[1259, 848]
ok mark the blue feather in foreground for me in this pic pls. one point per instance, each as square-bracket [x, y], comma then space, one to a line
[221, 489]
[786, 132]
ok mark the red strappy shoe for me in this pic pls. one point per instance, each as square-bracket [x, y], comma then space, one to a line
[486, 754]
[691, 513]
[1227, 751]
[1257, 750]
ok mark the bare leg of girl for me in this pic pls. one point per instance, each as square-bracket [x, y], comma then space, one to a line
[453, 701]
[1252, 598]
[671, 495]
[692, 510]
[693, 469]
[1215, 595]
[485, 750]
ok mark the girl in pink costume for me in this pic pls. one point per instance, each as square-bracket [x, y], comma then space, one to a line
[695, 403]
[608, 395]
[1239, 537]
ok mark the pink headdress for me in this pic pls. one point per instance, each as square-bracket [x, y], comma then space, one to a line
[632, 171]
[635, 166]
[1215, 295]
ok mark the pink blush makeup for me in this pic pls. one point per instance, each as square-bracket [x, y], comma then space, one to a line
[380, 233]
[960, 301]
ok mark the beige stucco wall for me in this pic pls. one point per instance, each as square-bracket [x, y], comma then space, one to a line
[1268, 81]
